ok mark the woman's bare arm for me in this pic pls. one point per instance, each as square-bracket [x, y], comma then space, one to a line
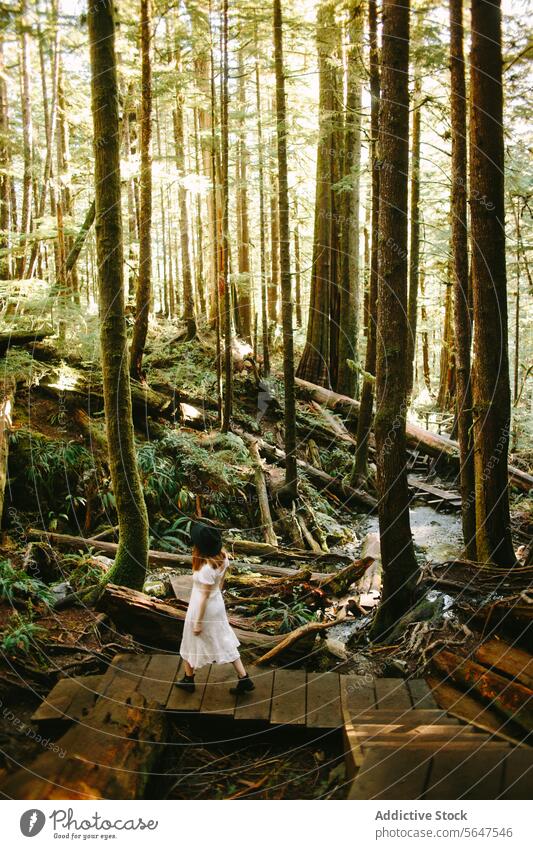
[205, 589]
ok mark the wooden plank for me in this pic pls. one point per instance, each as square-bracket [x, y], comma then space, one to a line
[518, 774]
[392, 775]
[421, 694]
[180, 700]
[473, 774]
[57, 701]
[89, 688]
[358, 693]
[217, 697]
[392, 694]
[159, 676]
[406, 717]
[323, 701]
[126, 674]
[288, 698]
[257, 704]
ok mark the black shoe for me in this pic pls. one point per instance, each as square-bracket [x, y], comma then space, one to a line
[186, 683]
[244, 685]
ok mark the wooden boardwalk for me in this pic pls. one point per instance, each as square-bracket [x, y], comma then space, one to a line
[398, 744]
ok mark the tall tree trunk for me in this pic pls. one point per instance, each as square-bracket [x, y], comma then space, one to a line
[186, 272]
[27, 131]
[360, 471]
[262, 223]
[315, 360]
[129, 568]
[285, 259]
[5, 179]
[297, 268]
[349, 282]
[425, 335]
[144, 282]
[414, 245]
[228, 358]
[462, 325]
[446, 396]
[490, 387]
[274, 278]
[400, 568]
[244, 284]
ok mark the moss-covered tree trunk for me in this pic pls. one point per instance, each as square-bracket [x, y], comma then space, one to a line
[131, 559]
[461, 301]
[414, 240]
[349, 282]
[244, 284]
[400, 568]
[359, 472]
[285, 258]
[491, 390]
[144, 282]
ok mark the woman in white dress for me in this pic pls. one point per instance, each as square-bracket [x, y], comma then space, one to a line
[207, 634]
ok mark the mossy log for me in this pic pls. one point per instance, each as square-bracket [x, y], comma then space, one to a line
[155, 623]
[179, 561]
[19, 338]
[89, 396]
[432, 444]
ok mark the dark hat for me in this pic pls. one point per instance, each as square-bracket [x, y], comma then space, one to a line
[206, 538]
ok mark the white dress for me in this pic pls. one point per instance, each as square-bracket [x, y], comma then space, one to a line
[217, 643]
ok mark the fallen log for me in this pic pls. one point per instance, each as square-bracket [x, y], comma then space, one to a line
[17, 338]
[7, 401]
[510, 698]
[433, 444]
[262, 495]
[311, 628]
[107, 756]
[509, 660]
[180, 561]
[339, 583]
[90, 397]
[348, 495]
[156, 623]
[464, 706]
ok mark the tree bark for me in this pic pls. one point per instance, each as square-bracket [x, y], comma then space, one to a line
[186, 273]
[414, 242]
[244, 284]
[491, 388]
[462, 322]
[400, 568]
[27, 130]
[349, 282]
[291, 476]
[144, 282]
[315, 360]
[129, 568]
[364, 422]
[262, 225]
[228, 357]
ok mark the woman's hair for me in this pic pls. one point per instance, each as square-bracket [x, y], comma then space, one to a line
[198, 559]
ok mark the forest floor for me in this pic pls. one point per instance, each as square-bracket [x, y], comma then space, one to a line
[59, 482]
